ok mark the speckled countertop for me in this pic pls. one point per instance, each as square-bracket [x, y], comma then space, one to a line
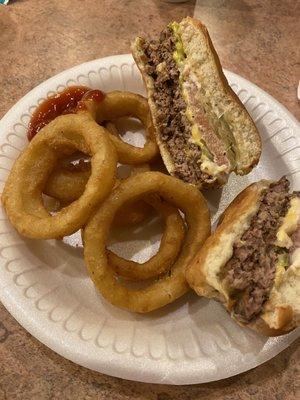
[39, 38]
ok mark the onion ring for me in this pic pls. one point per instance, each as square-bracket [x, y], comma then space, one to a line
[111, 127]
[132, 213]
[114, 105]
[67, 183]
[173, 284]
[119, 104]
[169, 248]
[22, 195]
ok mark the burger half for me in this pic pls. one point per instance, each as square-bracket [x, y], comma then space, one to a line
[202, 129]
[252, 261]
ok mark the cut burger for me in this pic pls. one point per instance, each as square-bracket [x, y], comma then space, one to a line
[202, 129]
[252, 261]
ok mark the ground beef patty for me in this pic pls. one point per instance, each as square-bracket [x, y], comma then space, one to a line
[174, 127]
[250, 272]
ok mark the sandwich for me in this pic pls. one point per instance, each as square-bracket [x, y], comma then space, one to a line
[202, 129]
[251, 263]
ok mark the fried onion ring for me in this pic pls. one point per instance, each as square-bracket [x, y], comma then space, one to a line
[119, 104]
[67, 186]
[22, 195]
[171, 285]
[169, 248]
[67, 183]
[132, 213]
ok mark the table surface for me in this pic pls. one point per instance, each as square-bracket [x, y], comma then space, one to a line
[39, 38]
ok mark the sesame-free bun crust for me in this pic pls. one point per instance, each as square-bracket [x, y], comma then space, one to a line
[203, 273]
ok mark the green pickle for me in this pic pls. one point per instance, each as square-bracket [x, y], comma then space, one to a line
[179, 54]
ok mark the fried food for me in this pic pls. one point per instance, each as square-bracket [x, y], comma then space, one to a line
[68, 180]
[119, 104]
[67, 183]
[128, 104]
[22, 195]
[171, 285]
[104, 108]
[169, 249]
[55, 163]
[132, 213]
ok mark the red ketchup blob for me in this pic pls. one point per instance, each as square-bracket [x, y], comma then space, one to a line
[66, 102]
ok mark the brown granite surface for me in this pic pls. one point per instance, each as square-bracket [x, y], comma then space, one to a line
[39, 38]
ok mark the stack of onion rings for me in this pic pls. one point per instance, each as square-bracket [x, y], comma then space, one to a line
[67, 183]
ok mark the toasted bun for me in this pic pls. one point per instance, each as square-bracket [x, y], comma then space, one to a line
[203, 62]
[281, 313]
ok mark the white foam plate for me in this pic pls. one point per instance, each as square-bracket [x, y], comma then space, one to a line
[45, 286]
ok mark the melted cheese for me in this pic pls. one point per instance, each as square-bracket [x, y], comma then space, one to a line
[285, 293]
[212, 168]
[280, 271]
[289, 224]
[196, 134]
[286, 288]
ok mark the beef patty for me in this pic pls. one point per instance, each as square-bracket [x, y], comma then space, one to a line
[174, 127]
[250, 273]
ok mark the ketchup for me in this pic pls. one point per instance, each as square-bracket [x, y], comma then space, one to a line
[66, 102]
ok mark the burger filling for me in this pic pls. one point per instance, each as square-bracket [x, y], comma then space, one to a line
[193, 161]
[173, 125]
[249, 275]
